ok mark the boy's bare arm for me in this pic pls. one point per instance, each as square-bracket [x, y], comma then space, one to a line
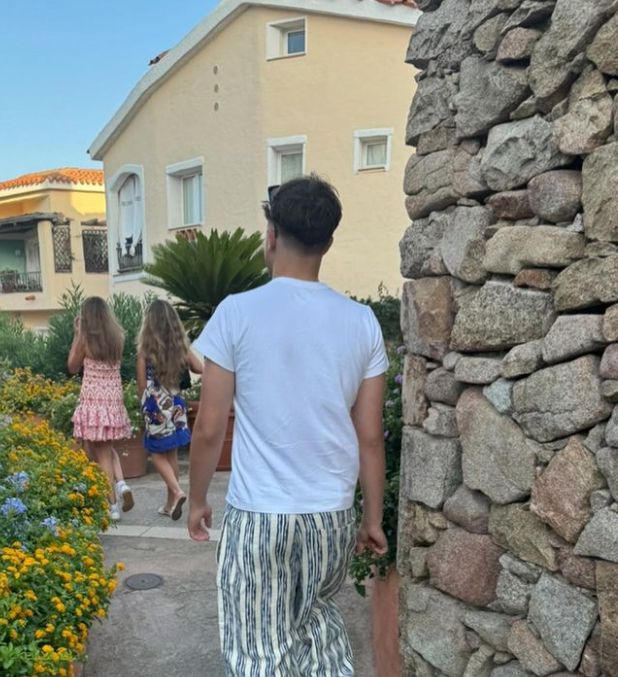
[207, 442]
[367, 418]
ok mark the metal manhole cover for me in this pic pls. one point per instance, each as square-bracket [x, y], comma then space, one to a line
[143, 581]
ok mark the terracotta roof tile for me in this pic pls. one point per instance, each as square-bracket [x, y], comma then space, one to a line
[63, 175]
[409, 3]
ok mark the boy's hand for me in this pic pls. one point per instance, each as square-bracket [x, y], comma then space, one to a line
[200, 520]
[372, 538]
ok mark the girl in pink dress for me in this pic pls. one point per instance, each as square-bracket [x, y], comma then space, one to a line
[100, 417]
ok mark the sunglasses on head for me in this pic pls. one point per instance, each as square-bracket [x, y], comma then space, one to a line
[272, 191]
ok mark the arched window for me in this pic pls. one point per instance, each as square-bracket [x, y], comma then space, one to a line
[130, 223]
[126, 217]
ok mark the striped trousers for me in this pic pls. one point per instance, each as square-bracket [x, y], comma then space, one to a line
[277, 576]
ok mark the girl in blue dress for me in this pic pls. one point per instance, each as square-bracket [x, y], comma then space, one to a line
[163, 355]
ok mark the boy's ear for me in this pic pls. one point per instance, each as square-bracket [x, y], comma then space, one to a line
[271, 238]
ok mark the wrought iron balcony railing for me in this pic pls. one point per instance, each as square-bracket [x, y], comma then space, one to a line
[11, 281]
[128, 260]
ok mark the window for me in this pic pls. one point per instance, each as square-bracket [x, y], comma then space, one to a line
[191, 199]
[295, 42]
[372, 149]
[126, 218]
[94, 242]
[286, 38]
[61, 239]
[286, 158]
[185, 194]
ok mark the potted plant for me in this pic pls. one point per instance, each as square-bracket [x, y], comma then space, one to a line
[192, 398]
[198, 274]
[133, 455]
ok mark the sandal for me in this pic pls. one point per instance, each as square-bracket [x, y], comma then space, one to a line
[163, 511]
[176, 512]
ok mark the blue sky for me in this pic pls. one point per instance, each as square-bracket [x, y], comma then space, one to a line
[66, 66]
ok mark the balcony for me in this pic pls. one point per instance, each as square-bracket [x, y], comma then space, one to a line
[12, 282]
[128, 260]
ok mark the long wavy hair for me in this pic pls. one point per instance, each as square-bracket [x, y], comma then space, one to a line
[163, 343]
[101, 332]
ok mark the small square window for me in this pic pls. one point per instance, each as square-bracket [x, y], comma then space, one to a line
[286, 38]
[191, 199]
[185, 193]
[286, 159]
[291, 165]
[374, 153]
[295, 42]
[372, 149]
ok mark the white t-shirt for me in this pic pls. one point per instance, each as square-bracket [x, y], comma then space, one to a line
[299, 352]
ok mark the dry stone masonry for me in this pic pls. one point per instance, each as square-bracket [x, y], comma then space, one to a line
[509, 515]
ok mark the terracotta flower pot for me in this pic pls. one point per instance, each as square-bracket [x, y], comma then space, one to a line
[225, 462]
[133, 456]
[385, 624]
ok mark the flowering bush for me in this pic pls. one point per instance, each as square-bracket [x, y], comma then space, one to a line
[133, 404]
[53, 582]
[24, 392]
[366, 565]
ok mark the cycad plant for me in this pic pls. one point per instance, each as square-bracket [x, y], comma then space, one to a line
[200, 273]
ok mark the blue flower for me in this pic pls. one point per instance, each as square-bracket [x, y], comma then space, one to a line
[51, 523]
[19, 480]
[12, 505]
[399, 379]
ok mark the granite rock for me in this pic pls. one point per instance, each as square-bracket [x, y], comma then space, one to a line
[518, 151]
[561, 494]
[465, 566]
[500, 316]
[523, 359]
[431, 467]
[497, 458]
[560, 400]
[556, 196]
[564, 617]
[571, 336]
[600, 537]
[469, 509]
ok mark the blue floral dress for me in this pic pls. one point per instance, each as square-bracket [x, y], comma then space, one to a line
[165, 416]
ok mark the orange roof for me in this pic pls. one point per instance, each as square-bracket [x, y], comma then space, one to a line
[62, 175]
[409, 3]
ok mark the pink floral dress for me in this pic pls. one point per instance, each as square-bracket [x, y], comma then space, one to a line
[101, 414]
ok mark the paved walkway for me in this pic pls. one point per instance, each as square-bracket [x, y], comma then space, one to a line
[171, 631]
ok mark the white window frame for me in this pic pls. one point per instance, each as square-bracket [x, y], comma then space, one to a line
[276, 37]
[279, 146]
[361, 138]
[175, 173]
[112, 188]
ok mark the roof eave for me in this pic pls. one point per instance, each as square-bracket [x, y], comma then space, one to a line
[213, 24]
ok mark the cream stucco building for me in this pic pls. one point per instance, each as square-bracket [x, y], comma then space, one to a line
[52, 234]
[255, 94]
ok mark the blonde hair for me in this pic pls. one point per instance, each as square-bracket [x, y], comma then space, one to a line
[101, 332]
[163, 343]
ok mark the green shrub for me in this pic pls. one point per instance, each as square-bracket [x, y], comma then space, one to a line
[199, 274]
[387, 309]
[60, 334]
[20, 347]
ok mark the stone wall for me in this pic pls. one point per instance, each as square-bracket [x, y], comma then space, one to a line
[509, 523]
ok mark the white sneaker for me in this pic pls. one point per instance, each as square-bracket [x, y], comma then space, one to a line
[114, 513]
[123, 491]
